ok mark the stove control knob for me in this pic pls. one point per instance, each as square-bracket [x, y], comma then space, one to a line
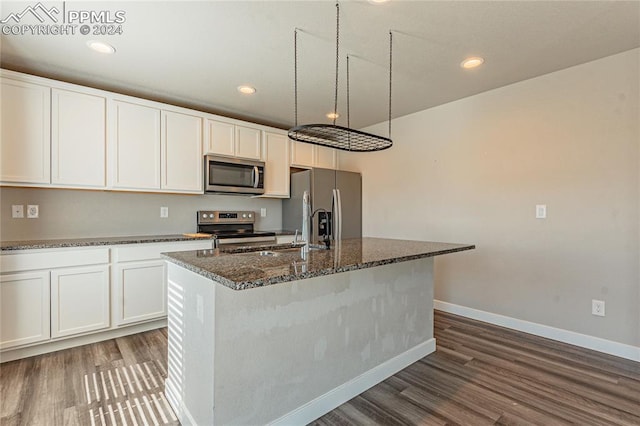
[250, 215]
[204, 216]
[244, 215]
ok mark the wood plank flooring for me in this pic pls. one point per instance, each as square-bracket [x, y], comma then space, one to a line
[116, 382]
[487, 375]
[480, 375]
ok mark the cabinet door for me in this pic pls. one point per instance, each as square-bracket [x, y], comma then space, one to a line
[248, 142]
[24, 309]
[78, 139]
[181, 152]
[25, 132]
[79, 300]
[301, 154]
[276, 158]
[325, 157]
[141, 291]
[137, 146]
[221, 138]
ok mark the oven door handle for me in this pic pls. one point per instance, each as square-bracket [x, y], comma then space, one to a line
[256, 176]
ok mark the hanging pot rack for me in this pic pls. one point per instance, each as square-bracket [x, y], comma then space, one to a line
[332, 135]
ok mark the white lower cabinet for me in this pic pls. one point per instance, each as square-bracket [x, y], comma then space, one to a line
[141, 291]
[79, 300]
[52, 299]
[24, 308]
[140, 280]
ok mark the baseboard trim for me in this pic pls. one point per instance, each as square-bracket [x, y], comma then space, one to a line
[343, 393]
[73, 341]
[175, 402]
[582, 340]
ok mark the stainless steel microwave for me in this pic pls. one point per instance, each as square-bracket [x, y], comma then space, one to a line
[223, 175]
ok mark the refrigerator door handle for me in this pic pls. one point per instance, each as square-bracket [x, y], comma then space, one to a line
[334, 215]
[337, 222]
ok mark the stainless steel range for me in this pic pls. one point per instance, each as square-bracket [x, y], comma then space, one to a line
[232, 227]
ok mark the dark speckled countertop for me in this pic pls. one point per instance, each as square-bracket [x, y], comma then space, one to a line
[6, 246]
[244, 270]
[88, 242]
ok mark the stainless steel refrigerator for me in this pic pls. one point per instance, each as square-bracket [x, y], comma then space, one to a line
[336, 203]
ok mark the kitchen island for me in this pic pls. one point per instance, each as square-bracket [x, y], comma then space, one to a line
[270, 337]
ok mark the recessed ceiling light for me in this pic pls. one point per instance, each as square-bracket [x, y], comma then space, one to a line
[378, 1]
[472, 62]
[247, 90]
[333, 115]
[101, 46]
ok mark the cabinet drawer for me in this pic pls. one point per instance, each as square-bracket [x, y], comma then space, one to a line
[51, 259]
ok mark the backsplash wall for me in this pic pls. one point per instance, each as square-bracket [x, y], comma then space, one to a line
[68, 213]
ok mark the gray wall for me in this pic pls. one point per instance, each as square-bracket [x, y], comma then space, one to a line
[77, 214]
[473, 170]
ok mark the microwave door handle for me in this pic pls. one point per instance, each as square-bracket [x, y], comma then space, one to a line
[256, 176]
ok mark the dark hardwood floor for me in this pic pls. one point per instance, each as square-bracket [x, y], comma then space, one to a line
[487, 375]
[480, 375]
[116, 382]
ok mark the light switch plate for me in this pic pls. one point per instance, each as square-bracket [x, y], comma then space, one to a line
[541, 211]
[17, 211]
[164, 212]
[33, 211]
[263, 212]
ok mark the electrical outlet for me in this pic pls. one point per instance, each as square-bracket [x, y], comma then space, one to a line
[33, 211]
[17, 211]
[263, 212]
[597, 307]
[541, 211]
[164, 212]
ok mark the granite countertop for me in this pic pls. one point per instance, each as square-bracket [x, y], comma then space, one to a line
[256, 246]
[88, 242]
[113, 241]
[245, 270]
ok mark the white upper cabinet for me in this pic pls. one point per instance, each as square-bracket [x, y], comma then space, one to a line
[60, 135]
[308, 155]
[136, 146]
[302, 154]
[275, 155]
[326, 158]
[233, 140]
[78, 139]
[248, 142]
[25, 135]
[182, 160]
[221, 138]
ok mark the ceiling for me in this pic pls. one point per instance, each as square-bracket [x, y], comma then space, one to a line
[195, 54]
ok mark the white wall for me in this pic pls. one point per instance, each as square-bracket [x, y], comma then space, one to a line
[77, 214]
[473, 170]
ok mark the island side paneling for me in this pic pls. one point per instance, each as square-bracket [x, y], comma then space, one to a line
[280, 347]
